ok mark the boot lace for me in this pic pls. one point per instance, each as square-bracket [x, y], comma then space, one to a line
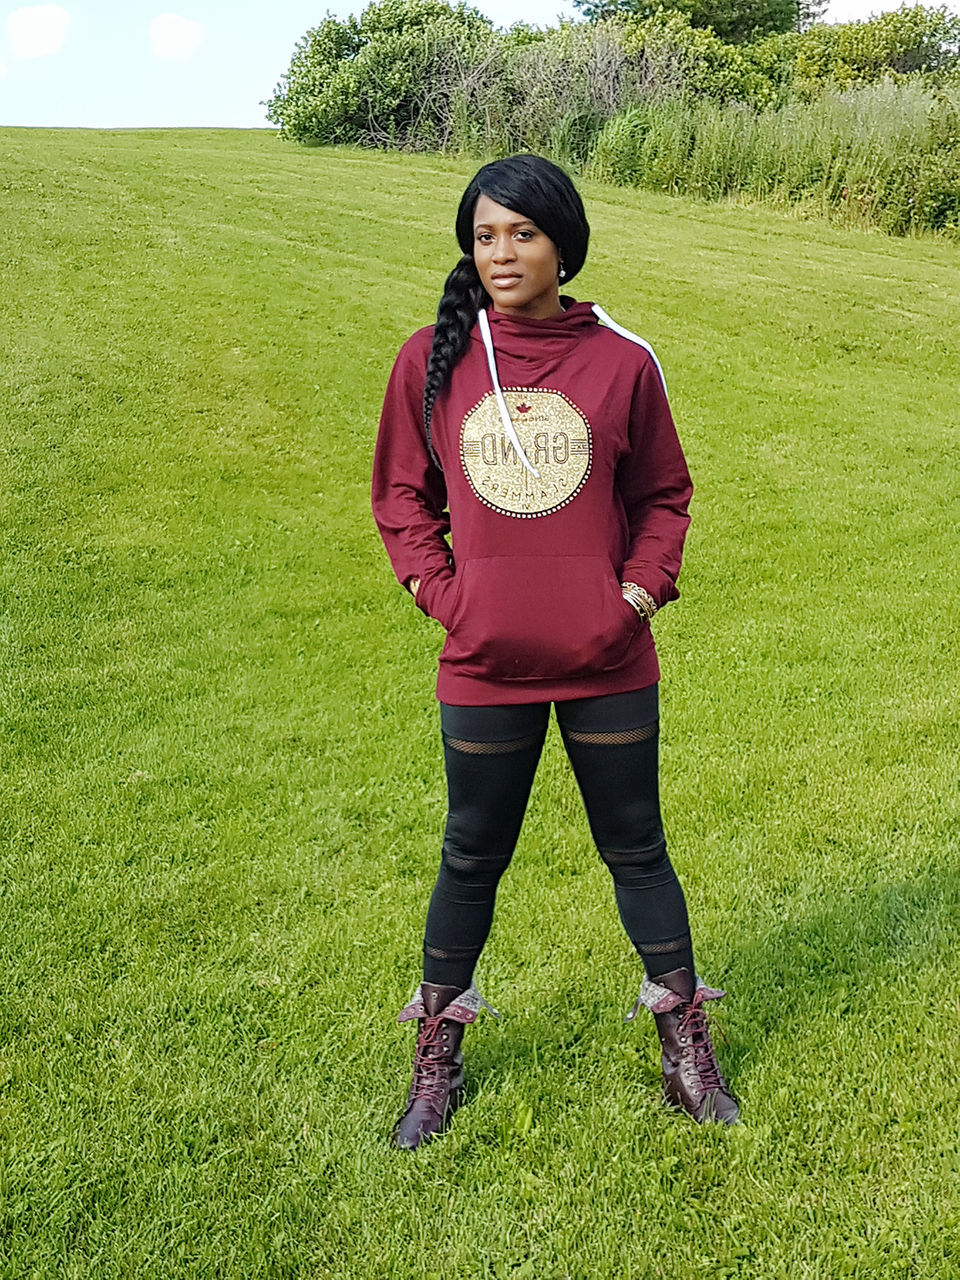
[431, 1065]
[693, 1028]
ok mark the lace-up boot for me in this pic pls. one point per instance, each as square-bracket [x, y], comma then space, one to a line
[437, 1085]
[692, 1079]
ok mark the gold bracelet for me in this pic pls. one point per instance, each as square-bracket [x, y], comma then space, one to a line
[632, 597]
[641, 600]
[648, 600]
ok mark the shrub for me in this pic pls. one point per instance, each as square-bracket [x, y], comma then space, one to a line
[773, 60]
[887, 155]
[906, 40]
[388, 79]
[300, 105]
[554, 94]
[429, 17]
[421, 73]
[677, 58]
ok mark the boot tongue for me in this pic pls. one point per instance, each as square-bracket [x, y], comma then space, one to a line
[436, 998]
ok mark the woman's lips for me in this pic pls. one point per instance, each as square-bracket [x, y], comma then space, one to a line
[505, 282]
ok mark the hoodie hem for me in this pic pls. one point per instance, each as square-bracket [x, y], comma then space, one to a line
[459, 690]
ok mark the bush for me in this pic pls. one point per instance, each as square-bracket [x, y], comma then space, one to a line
[773, 61]
[300, 105]
[887, 155]
[418, 74]
[554, 94]
[421, 73]
[676, 59]
[681, 58]
[388, 79]
[906, 40]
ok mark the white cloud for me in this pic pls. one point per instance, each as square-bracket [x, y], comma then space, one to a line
[174, 37]
[38, 31]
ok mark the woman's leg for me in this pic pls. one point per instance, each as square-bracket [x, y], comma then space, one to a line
[491, 756]
[612, 742]
[612, 745]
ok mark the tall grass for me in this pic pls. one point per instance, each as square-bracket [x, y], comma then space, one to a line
[886, 155]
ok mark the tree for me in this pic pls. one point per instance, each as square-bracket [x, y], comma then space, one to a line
[735, 21]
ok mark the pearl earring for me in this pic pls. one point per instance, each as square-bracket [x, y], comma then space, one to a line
[563, 274]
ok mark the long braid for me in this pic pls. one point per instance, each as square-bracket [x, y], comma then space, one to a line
[463, 295]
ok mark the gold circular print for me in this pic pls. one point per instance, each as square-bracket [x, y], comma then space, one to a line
[555, 436]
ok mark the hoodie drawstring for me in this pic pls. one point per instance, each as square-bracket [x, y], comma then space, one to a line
[602, 316]
[498, 393]
[505, 418]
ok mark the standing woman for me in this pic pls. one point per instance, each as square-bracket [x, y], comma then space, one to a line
[536, 432]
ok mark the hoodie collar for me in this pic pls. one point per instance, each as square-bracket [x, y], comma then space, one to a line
[521, 337]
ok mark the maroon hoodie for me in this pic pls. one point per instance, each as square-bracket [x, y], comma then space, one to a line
[530, 594]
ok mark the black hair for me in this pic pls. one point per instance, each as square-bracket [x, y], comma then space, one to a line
[529, 185]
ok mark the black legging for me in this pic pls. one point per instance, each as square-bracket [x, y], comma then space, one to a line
[491, 756]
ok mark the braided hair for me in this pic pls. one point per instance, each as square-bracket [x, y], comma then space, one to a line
[533, 187]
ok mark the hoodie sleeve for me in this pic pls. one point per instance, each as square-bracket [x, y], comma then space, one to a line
[655, 486]
[409, 496]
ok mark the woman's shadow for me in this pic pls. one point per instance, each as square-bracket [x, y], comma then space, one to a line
[865, 948]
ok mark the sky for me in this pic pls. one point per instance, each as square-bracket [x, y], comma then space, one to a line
[113, 64]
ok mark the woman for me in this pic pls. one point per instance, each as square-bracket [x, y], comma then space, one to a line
[544, 430]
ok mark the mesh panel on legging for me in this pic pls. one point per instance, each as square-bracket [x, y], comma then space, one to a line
[491, 756]
[615, 763]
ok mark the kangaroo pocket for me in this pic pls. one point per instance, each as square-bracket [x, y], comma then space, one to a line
[539, 617]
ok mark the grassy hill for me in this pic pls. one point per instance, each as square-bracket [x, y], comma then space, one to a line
[222, 789]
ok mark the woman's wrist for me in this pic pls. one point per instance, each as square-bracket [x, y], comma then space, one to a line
[641, 600]
[413, 586]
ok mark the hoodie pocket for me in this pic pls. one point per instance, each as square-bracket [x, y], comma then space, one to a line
[539, 617]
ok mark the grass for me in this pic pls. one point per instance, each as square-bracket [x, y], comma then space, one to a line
[222, 785]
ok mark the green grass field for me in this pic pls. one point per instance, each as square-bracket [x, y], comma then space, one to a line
[222, 790]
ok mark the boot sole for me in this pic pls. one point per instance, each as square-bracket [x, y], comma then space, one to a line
[421, 1137]
[708, 1113]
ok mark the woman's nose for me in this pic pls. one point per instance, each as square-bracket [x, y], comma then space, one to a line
[503, 250]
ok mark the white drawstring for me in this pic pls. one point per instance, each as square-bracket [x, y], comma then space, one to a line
[498, 394]
[505, 418]
[601, 315]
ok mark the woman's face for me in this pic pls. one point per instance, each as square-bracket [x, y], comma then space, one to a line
[516, 262]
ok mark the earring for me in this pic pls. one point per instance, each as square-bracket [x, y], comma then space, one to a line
[563, 274]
